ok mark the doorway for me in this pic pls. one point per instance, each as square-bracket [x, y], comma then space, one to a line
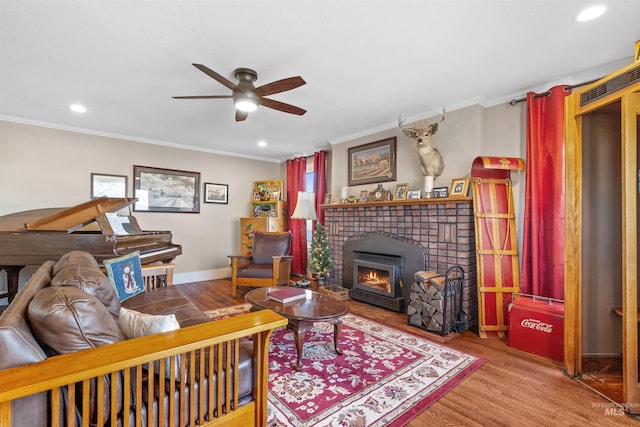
[601, 252]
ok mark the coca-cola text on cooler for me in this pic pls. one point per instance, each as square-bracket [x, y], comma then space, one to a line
[537, 325]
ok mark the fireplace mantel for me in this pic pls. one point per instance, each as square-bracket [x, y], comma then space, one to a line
[443, 229]
[400, 202]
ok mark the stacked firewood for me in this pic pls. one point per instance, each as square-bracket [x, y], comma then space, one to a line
[426, 306]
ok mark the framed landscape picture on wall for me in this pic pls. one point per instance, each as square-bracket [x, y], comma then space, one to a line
[373, 162]
[166, 190]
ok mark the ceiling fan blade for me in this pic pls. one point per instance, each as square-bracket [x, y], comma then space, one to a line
[280, 86]
[277, 105]
[241, 115]
[203, 97]
[209, 72]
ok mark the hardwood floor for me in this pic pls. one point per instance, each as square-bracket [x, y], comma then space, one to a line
[512, 388]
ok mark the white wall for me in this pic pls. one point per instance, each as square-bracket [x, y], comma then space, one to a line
[42, 168]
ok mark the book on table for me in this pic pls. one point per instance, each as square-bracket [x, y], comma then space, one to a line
[287, 295]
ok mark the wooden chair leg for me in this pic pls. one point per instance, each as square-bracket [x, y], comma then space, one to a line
[234, 271]
[234, 289]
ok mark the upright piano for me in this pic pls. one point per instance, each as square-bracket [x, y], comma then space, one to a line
[35, 236]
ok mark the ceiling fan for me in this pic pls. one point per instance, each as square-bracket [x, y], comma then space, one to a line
[246, 96]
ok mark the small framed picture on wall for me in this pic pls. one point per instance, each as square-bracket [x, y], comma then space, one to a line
[107, 185]
[216, 193]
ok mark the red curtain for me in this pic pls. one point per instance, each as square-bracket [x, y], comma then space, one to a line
[296, 173]
[543, 234]
[320, 181]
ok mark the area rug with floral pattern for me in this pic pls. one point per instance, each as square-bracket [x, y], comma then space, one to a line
[385, 376]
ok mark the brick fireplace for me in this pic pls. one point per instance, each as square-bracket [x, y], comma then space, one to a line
[441, 231]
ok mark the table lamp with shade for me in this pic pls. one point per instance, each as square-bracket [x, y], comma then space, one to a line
[305, 209]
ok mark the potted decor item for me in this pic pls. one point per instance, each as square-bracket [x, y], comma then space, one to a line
[320, 263]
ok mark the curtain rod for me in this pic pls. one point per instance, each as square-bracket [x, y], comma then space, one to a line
[513, 102]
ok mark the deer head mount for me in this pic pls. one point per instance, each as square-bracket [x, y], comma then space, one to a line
[431, 161]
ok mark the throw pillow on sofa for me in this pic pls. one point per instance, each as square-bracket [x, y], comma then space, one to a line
[125, 274]
[134, 324]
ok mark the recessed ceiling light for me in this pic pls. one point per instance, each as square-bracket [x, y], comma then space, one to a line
[78, 108]
[591, 13]
[262, 143]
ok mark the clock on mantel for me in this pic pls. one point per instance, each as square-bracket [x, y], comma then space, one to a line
[379, 194]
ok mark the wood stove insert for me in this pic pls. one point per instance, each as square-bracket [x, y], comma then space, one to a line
[377, 280]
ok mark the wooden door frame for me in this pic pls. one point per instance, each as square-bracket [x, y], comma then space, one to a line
[630, 107]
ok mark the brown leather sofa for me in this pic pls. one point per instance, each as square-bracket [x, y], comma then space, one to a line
[69, 307]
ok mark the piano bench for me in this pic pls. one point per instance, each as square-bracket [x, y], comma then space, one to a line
[157, 275]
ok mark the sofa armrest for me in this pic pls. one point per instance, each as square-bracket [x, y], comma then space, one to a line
[214, 343]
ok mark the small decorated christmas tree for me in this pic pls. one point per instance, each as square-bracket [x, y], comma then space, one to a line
[321, 263]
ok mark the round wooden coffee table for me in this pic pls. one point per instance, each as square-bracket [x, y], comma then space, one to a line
[303, 313]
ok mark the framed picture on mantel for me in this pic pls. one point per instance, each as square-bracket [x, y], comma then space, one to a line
[373, 162]
[459, 187]
[440, 192]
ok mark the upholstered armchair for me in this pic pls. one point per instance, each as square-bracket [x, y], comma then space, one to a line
[269, 264]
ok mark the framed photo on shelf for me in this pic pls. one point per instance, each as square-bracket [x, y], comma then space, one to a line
[373, 162]
[440, 192]
[216, 193]
[413, 194]
[459, 187]
[327, 199]
[364, 196]
[401, 191]
[107, 185]
[166, 190]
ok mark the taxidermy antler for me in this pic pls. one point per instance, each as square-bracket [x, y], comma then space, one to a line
[431, 161]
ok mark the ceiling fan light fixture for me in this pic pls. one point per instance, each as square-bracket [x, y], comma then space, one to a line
[246, 104]
[246, 97]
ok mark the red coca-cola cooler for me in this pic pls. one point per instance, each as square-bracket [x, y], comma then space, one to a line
[536, 325]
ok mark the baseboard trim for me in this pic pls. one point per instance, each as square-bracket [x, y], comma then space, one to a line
[200, 276]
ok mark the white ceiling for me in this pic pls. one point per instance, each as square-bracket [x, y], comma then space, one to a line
[365, 62]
